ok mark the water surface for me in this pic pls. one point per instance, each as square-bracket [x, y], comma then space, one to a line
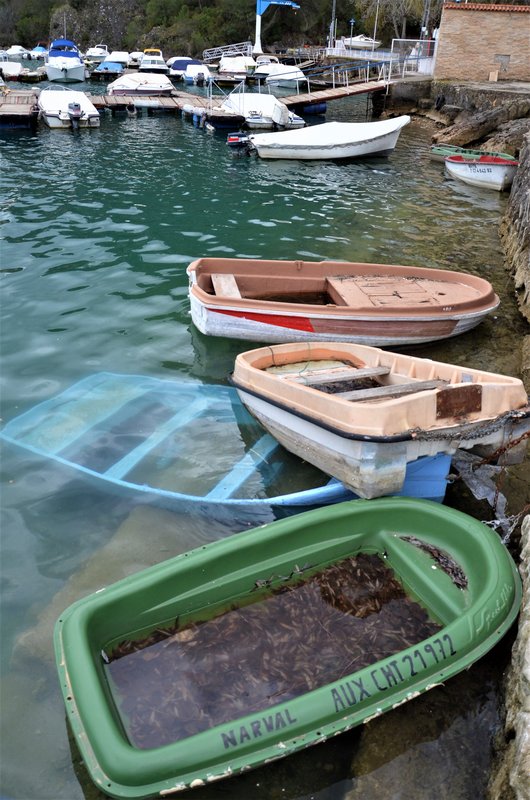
[98, 228]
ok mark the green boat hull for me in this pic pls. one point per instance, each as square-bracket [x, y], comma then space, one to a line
[442, 151]
[415, 539]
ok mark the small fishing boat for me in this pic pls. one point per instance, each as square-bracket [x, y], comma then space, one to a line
[332, 140]
[64, 62]
[487, 172]
[306, 627]
[361, 42]
[439, 152]
[61, 109]
[152, 441]
[361, 414]
[141, 83]
[375, 304]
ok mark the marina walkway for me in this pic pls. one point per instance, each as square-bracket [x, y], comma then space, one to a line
[19, 104]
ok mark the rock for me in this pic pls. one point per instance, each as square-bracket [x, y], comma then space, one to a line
[525, 363]
[509, 138]
[476, 127]
[425, 103]
[512, 777]
[515, 230]
[450, 112]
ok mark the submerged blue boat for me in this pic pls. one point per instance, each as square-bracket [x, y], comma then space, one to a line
[186, 447]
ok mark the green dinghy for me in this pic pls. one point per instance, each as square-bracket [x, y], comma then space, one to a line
[439, 152]
[253, 647]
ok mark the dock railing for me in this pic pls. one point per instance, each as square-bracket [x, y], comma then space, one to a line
[215, 53]
[404, 58]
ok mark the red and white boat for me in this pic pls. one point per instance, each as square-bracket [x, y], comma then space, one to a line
[487, 172]
[373, 304]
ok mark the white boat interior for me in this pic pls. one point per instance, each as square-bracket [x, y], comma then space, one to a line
[63, 108]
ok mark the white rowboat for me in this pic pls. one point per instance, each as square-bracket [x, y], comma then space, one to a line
[362, 414]
[331, 140]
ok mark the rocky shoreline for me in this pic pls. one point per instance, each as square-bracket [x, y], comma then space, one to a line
[497, 117]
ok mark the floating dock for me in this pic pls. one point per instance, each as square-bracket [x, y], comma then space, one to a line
[18, 108]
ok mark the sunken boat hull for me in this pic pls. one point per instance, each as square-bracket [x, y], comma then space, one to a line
[249, 702]
[151, 440]
[362, 414]
[373, 304]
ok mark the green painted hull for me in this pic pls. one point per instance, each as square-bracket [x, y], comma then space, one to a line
[439, 152]
[472, 613]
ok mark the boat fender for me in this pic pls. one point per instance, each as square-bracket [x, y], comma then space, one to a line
[439, 102]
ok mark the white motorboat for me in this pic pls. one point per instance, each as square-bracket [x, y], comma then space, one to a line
[177, 65]
[236, 67]
[141, 83]
[361, 42]
[64, 62]
[10, 70]
[97, 54]
[62, 109]
[153, 61]
[37, 53]
[362, 414]
[261, 111]
[197, 74]
[16, 52]
[117, 57]
[486, 172]
[331, 140]
[286, 76]
[135, 59]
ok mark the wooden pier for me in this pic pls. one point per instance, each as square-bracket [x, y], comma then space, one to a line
[333, 93]
[18, 108]
[177, 100]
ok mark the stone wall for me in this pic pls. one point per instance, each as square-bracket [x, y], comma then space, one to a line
[511, 778]
[486, 39]
[515, 230]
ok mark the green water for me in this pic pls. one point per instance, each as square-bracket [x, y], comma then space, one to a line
[98, 228]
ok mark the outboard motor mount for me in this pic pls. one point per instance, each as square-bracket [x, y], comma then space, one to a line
[75, 113]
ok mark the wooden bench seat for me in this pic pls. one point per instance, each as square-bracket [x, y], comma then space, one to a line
[394, 390]
[225, 285]
[348, 374]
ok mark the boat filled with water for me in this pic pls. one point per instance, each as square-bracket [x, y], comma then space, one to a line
[152, 439]
[306, 627]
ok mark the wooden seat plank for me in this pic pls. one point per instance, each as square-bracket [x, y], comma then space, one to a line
[338, 376]
[395, 390]
[225, 285]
